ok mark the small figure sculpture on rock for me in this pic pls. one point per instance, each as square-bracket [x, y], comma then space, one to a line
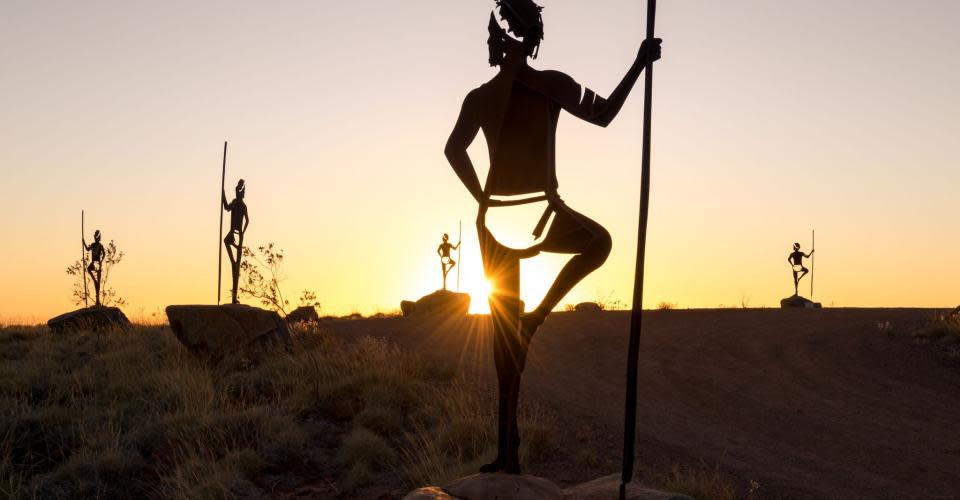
[95, 269]
[796, 262]
[239, 220]
[446, 262]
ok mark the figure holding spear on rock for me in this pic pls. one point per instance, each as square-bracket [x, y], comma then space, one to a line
[239, 220]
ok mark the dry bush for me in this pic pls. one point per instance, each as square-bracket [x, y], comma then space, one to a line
[705, 483]
[943, 334]
[666, 306]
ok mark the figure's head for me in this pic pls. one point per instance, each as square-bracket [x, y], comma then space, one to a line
[524, 22]
[446, 237]
[241, 189]
[796, 247]
[96, 235]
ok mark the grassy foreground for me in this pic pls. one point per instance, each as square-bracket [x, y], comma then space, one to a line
[134, 415]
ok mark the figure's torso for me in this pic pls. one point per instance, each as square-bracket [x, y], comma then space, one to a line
[520, 126]
[797, 258]
[238, 210]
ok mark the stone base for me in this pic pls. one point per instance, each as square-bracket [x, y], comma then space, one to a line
[219, 332]
[511, 487]
[96, 318]
[798, 302]
[443, 303]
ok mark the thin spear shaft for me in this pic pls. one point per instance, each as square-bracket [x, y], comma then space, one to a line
[223, 178]
[459, 246]
[813, 258]
[633, 353]
[83, 258]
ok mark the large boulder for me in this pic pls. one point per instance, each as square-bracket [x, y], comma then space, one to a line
[96, 318]
[798, 302]
[608, 487]
[219, 332]
[513, 487]
[305, 314]
[591, 307]
[440, 303]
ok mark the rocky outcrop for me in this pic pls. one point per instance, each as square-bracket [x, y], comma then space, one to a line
[96, 318]
[512, 487]
[591, 307]
[608, 487]
[305, 314]
[440, 303]
[219, 332]
[798, 302]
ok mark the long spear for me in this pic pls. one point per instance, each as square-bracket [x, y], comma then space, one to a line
[223, 178]
[813, 258]
[83, 258]
[633, 353]
[459, 246]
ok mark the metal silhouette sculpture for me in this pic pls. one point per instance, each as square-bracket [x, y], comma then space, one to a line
[518, 111]
[95, 269]
[446, 262]
[239, 220]
[796, 264]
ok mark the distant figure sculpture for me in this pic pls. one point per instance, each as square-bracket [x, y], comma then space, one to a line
[518, 111]
[95, 269]
[239, 220]
[446, 262]
[796, 262]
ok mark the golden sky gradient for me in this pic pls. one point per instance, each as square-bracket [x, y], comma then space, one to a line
[770, 119]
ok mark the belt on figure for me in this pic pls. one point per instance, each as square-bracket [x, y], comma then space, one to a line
[553, 201]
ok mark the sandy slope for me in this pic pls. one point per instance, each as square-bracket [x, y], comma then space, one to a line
[811, 404]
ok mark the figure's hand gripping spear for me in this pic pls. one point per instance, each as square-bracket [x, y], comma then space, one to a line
[633, 354]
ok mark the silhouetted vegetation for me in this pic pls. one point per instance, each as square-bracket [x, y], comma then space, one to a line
[261, 275]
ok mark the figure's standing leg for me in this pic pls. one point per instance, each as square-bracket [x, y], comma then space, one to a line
[796, 284]
[97, 282]
[236, 270]
[229, 243]
[509, 353]
[443, 269]
[91, 270]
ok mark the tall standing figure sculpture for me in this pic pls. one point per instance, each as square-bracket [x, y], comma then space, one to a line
[518, 111]
[95, 269]
[446, 261]
[239, 220]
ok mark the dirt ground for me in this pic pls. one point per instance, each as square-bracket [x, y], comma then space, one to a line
[809, 404]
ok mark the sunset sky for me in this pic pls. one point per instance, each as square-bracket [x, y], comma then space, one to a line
[770, 119]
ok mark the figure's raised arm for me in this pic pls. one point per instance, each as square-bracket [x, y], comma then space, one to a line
[464, 132]
[588, 106]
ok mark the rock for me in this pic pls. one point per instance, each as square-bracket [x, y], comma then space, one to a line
[218, 332]
[503, 486]
[592, 307]
[431, 493]
[303, 314]
[96, 318]
[439, 303]
[608, 487]
[798, 302]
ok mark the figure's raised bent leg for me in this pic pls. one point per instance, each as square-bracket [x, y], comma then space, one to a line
[571, 233]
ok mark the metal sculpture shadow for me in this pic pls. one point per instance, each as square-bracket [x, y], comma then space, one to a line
[518, 111]
[796, 263]
[95, 269]
[239, 220]
[446, 262]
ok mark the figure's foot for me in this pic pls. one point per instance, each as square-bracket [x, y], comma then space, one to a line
[498, 465]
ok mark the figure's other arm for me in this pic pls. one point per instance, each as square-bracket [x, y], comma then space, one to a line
[589, 106]
[809, 254]
[246, 221]
[223, 201]
[464, 132]
[440, 250]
